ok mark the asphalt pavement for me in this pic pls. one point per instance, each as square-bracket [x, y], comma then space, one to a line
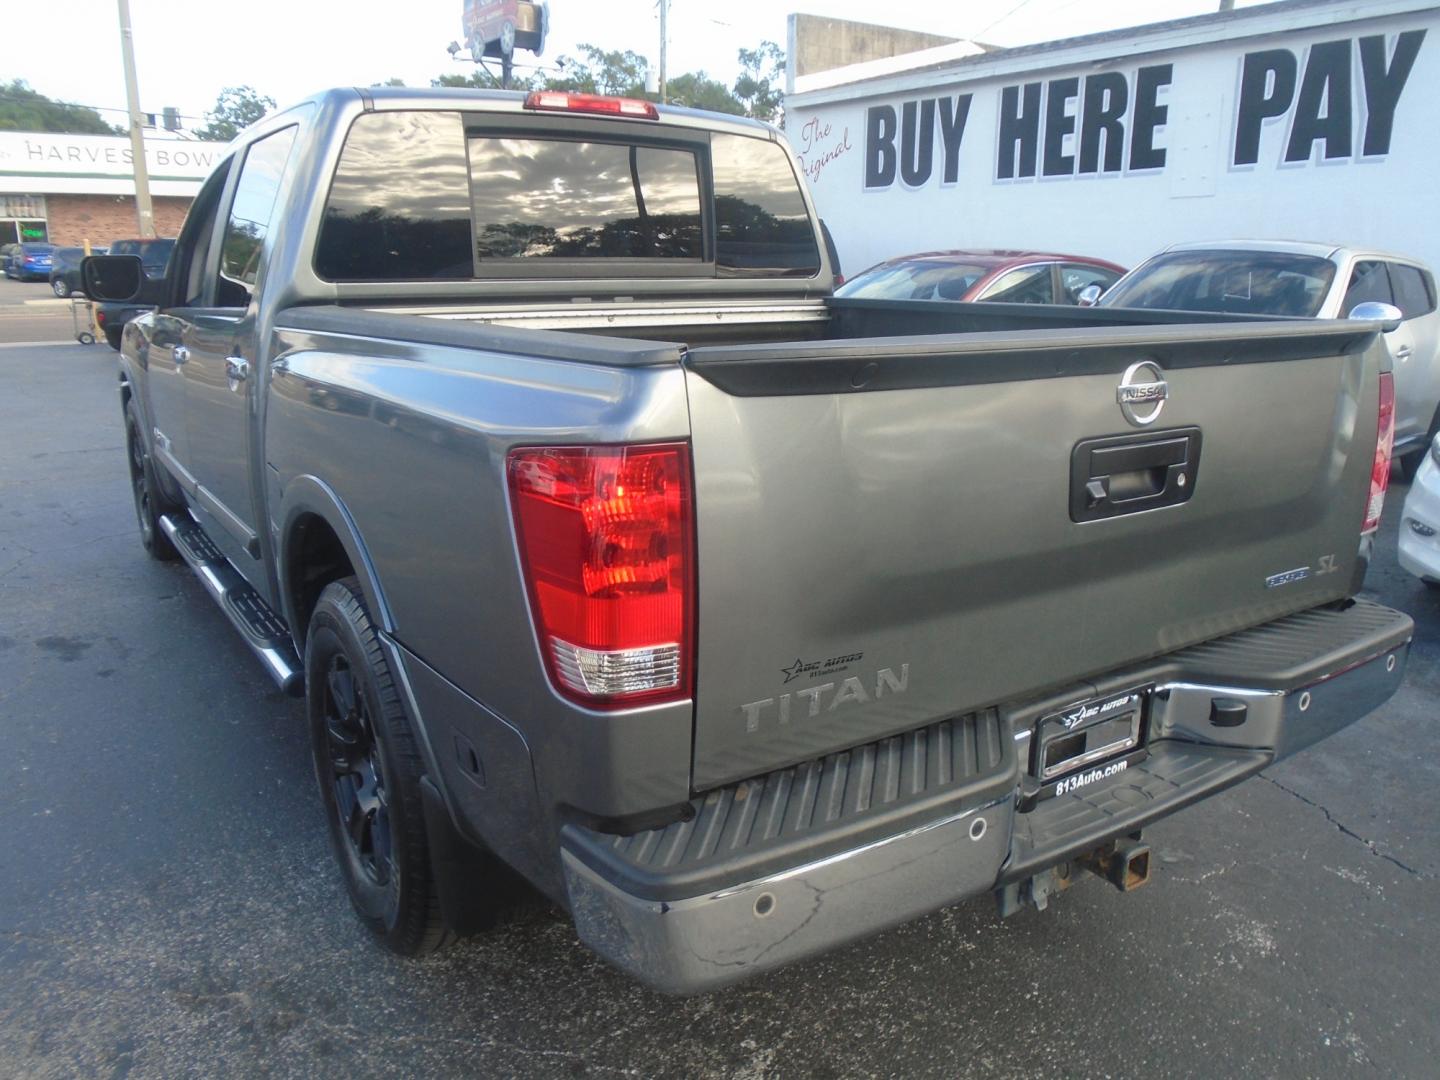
[168, 904]
[30, 312]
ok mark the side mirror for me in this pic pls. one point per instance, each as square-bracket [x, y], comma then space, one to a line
[1089, 295]
[114, 278]
[1373, 311]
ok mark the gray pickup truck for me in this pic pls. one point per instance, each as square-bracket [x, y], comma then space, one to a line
[524, 438]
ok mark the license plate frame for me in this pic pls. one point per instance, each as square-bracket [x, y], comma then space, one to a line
[1088, 731]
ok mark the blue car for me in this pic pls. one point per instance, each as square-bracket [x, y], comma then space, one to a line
[30, 262]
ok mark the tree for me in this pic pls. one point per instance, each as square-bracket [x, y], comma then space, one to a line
[24, 109]
[479, 79]
[617, 72]
[235, 109]
[761, 82]
[696, 90]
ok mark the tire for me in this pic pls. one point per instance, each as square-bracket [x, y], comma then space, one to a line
[507, 39]
[60, 289]
[145, 491]
[368, 768]
[113, 336]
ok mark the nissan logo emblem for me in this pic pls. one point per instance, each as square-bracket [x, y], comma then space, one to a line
[1142, 385]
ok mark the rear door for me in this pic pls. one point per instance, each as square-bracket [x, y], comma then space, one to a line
[1418, 371]
[1370, 282]
[888, 531]
[166, 357]
[220, 340]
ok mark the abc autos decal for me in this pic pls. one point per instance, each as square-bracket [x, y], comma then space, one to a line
[1336, 101]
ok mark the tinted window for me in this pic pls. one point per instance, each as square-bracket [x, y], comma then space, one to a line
[915, 279]
[543, 198]
[399, 208]
[1025, 285]
[1074, 277]
[192, 250]
[1242, 282]
[761, 224]
[250, 214]
[1369, 284]
[155, 255]
[1414, 290]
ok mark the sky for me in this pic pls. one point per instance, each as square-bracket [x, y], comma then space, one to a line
[187, 51]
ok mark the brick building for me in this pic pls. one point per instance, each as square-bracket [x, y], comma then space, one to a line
[67, 189]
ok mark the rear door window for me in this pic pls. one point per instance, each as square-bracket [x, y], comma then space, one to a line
[250, 214]
[1076, 276]
[1414, 290]
[1369, 284]
[1023, 285]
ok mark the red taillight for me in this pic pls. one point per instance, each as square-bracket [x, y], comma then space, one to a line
[600, 104]
[1384, 445]
[100, 316]
[606, 537]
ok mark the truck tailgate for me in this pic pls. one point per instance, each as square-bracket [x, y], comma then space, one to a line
[887, 528]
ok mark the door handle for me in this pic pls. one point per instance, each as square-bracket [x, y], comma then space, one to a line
[1125, 474]
[181, 354]
[1403, 353]
[237, 368]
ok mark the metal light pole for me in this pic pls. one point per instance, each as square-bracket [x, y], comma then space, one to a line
[664, 39]
[144, 212]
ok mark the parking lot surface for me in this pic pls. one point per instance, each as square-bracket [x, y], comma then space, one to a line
[168, 903]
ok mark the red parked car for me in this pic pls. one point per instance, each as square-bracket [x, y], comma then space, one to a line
[1011, 277]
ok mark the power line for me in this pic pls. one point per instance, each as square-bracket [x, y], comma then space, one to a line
[42, 100]
[1001, 19]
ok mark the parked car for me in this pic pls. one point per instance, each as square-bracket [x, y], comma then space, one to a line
[65, 270]
[1306, 280]
[1420, 520]
[741, 620]
[154, 256]
[1014, 277]
[29, 261]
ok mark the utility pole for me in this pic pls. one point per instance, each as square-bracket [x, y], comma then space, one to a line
[664, 40]
[144, 212]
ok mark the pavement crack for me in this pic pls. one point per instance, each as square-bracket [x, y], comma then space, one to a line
[1347, 831]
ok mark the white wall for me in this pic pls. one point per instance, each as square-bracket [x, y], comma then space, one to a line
[1339, 193]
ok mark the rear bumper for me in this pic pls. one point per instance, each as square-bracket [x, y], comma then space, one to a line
[701, 904]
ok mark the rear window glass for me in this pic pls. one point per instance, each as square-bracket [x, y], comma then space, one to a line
[399, 207]
[416, 197]
[547, 198]
[1240, 282]
[1414, 290]
[761, 224]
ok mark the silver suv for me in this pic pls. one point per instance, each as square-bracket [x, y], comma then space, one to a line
[1295, 278]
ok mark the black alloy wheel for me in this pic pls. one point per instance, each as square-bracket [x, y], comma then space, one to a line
[357, 775]
[368, 767]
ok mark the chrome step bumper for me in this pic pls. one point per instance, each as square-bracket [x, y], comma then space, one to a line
[635, 899]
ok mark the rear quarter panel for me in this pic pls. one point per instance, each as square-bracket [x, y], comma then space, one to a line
[413, 440]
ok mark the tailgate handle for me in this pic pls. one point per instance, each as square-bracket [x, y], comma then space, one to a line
[1127, 474]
